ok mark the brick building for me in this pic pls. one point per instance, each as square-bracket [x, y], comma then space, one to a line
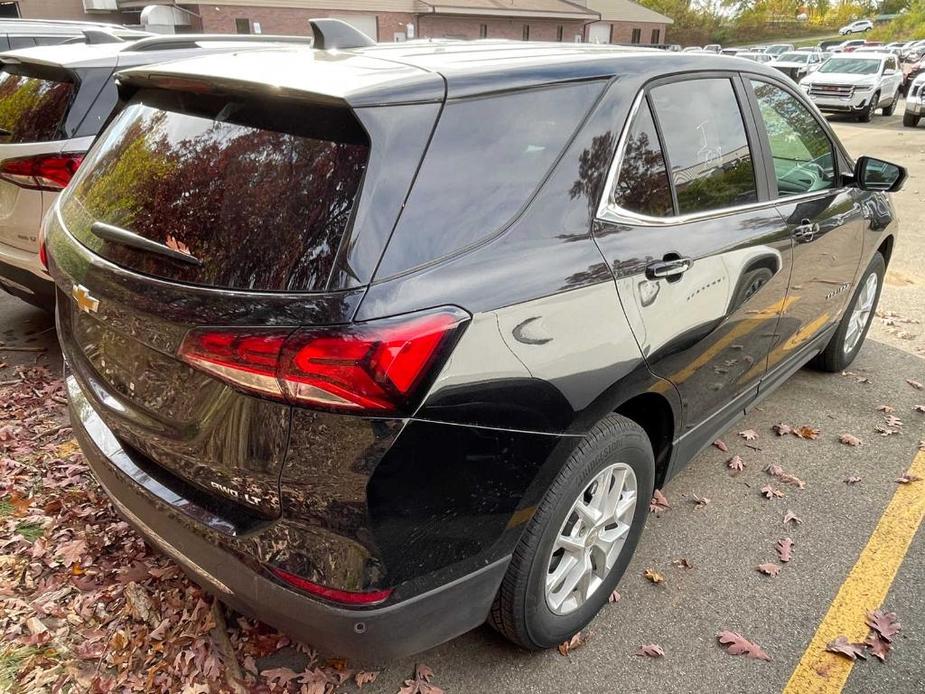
[599, 21]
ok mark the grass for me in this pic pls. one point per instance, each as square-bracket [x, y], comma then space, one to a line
[11, 661]
[6, 508]
[30, 531]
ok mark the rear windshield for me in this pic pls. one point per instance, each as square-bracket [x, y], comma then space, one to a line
[261, 197]
[32, 109]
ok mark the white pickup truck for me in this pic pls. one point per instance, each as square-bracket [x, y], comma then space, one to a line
[856, 84]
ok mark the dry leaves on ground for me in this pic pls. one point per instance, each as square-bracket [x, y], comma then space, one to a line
[842, 646]
[577, 641]
[915, 384]
[770, 492]
[806, 432]
[699, 501]
[736, 464]
[650, 650]
[852, 480]
[749, 434]
[736, 644]
[791, 517]
[421, 684]
[721, 445]
[777, 471]
[784, 549]
[908, 478]
[653, 576]
[850, 440]
[769, 568]
[659, 502]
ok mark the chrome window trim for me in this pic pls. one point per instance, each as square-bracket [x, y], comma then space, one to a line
[611, 212]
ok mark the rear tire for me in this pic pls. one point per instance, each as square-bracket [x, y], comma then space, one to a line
[888, 110]
[910, 120]
[848, 339]
[528, 609]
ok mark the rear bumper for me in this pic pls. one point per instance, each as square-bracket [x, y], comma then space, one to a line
[366, 635]
[25, 284]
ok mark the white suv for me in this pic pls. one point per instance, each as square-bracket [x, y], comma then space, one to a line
[857, 84]
[915, 102]
[858, 27]
[53, 102]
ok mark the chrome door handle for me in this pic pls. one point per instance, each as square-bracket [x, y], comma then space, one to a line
[661, 269]
[806, 232]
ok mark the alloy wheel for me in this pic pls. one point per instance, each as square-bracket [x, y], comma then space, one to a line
[591, 538]
[860, 314]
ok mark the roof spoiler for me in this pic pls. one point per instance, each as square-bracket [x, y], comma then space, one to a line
[174, 42]
[334, 33]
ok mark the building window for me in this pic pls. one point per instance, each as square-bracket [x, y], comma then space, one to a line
[526, 32]
[560, 32]
[242, 26]
[637, 36]
[9, 9]
[483, 31]
[656, 35]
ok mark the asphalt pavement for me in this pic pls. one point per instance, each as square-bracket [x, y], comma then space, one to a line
[724, 541]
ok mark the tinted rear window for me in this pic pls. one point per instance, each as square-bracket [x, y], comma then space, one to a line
[487, 158]
[32, 109]
[261, 196]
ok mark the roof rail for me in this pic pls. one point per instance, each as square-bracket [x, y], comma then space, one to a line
[334, 33]
[95, 36]
[175, 42]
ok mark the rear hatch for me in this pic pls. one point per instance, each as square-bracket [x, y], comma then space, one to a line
[34, 105]
[191, 211]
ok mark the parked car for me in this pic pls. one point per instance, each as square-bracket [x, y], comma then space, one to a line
[857, 84]
[692, 49]
[429, 372]
[915, 102]
[859, 27]
[828, 44]
[713, 48]
[28, 33]
[778, 49]
[910, 72]
[53, 102]
[797, 65]
[848, 46]
[757, 57]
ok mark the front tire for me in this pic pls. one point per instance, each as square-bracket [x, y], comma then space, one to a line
[910, 120]
[581, 538]
[868, 111]
[852, 330]
[888, 110]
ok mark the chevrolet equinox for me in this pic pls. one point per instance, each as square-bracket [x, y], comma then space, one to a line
[380, 343]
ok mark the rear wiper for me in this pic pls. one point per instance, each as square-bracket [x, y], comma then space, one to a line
[107, 232]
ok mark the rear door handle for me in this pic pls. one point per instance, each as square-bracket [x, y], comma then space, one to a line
[806, 232]
[668, 268]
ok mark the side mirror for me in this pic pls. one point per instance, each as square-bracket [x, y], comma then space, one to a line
[878, 175]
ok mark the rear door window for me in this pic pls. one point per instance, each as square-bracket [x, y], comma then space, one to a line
[260, 197]
[487, 158]
[705, 143]
[642, 180]
[32, 109]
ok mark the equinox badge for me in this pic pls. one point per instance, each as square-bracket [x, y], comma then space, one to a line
[86, 302]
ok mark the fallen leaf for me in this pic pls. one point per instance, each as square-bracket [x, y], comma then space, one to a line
[650, 650]
[879, 648]
[884, 623]
[736, 644]
[658, 503]
[769, 569]
[885, 431]
[782, 429]
[852, 480]
[279, 675]
[785, 477]
[791, 517]
[364, 677]
[770, 492]
[893, 421]
[577, 641]
[700, 501]
[721, 445]
[682, 563]
[922, 445]
[907, 478]
[735, 463]
[842, 646]
[850, 440]
[421, 684]
[915, 384]
[653, 576]
[919, 408]
[749, 434]
[888, 409]
[614, 597]
[785, 549]
[806, 432]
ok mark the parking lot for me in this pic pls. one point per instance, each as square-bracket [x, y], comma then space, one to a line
[707, 554]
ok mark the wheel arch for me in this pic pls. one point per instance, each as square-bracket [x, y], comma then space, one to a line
[653, 412]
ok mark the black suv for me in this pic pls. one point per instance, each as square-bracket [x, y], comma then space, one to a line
[383, 343]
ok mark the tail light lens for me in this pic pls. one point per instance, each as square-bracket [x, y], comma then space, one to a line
[344, 597]
[378, 367]
[50, 172]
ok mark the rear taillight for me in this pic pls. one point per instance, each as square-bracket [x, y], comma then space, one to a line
[378, 367]
[343, 597]
[42, 172]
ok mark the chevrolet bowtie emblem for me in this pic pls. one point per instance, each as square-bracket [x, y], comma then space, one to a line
[86, 302]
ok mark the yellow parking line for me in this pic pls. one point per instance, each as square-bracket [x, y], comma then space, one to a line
[864, 589]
